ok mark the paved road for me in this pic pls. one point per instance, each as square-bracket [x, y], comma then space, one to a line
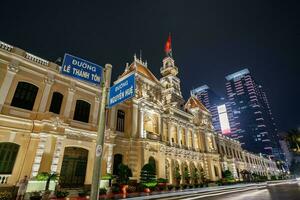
[289, 191]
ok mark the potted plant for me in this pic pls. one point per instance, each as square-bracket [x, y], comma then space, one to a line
[123, 178]
[186, 175]
[148, 177]
[177, 177]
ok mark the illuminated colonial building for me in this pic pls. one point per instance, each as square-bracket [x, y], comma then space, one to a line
[48, 122]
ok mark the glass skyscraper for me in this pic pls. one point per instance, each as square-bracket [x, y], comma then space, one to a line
[254, 123]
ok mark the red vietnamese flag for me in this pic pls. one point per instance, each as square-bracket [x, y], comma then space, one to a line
[168, 48]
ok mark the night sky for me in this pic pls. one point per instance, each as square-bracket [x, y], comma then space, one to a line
[210, 40]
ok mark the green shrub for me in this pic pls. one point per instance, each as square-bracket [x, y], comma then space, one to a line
[162, 180]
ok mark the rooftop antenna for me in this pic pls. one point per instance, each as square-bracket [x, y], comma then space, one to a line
[141, 55]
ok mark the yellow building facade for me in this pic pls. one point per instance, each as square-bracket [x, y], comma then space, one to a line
[48, 123]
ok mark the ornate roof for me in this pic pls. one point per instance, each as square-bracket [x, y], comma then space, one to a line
[193, 102]
[142, 69]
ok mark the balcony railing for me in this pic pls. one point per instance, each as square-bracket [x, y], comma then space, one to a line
[5, 46]
[36, 59]
[4, 178]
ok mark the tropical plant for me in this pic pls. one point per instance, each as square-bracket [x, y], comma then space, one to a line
[177, 175]
[148, 176]
[46, 176]
[124, 173]
[202, 175]
[186, 175]
[228, 176]
[293, 138]
[162, 180]
[195, 175]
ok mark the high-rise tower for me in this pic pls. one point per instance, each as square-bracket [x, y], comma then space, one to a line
[255, 127]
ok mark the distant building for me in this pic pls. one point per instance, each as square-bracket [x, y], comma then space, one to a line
[222, 116]
[255, 126]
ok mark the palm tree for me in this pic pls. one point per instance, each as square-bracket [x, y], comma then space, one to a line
[124, 173]
[293, 137]
[47, 176]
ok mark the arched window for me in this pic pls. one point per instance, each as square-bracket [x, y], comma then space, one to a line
[82, 111]
[8, 155]
[118, 159]
[24, 96]
[120, 121]
[56, 102]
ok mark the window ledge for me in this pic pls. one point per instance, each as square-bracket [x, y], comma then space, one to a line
[80, 124]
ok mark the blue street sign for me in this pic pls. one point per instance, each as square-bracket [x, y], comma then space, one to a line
[81, 69]
[122, 91]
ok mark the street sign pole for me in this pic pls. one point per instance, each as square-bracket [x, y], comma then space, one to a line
[105, 83]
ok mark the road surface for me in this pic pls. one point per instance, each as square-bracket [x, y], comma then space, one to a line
[287, 191]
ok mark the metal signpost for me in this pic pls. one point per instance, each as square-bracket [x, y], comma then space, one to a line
[121, 91]
[105, 83]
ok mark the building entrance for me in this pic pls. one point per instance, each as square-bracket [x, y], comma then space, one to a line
[73, 168]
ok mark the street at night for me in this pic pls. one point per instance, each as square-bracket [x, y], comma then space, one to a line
[289, 191]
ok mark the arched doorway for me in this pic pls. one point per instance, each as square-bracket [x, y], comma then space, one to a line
[73, 168]
[216, 171]
[8, 155]
[152, 162]
[118, 159]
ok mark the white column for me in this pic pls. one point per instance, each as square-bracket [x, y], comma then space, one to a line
[38, 155]
[57, 153]
[187, 137]
[70, 97]
[193, 138]
[141, 117]
[160, 127]
[12, 69]
[109, 158]
[96, 110]
[179, 135]
[48, 83]
[169, 132]
[135, 119]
